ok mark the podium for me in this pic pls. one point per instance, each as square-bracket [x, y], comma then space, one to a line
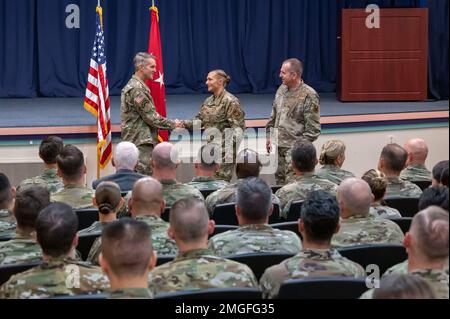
[389, 63]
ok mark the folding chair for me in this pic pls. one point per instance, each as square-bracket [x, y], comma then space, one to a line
[403, 222]
[85, 243]
[213, 293]
[86, 217]
[407, 207]
[294, 211]
[422, 184]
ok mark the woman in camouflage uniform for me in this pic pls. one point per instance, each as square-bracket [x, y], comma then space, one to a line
[221, 113]
[332, 158]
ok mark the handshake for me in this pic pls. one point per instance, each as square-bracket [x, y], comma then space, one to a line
[179, 123]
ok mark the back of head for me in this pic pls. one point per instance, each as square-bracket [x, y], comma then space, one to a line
[304, 156]
[331, 150]
[404, 287]
[165, 156]
[6, 195]
[222, 75]
[356, 196]
[444, 177]
[107, 197]
[418, 149]
[29, 202]
[189, 220]
[377, 182]
[247, 164]
[320, 216]
[56, 228]
[147, 195]
[438, 169]
[434, 196]
[394, 157]
[254, 198]
[70, 162]
[127, 247]
[126, 156]
[295, 66]
[209, 156]
[50, 148]
[430, 229]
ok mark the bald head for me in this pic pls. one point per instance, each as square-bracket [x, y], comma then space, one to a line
[165, 156]
[147, 197]
[354, 197]
[189, 220]
[417, 151]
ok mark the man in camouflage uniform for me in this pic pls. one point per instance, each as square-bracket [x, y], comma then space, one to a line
[391, 163]
[221, 113]
[415, 169]
[72, 169]
[7, 195]
[207, 164]
[23, 248]
[357, 226]
[295, 113]
[48, 151]
[248, 165]
[317, 259]
[196, 267]
[127, 257]
[56, 231]
[304, 160]
[253, 208]
[139, 120]
[164, 164]
[427, 246]
[332, 157]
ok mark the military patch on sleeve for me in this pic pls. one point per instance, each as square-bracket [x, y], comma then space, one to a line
[139, 98]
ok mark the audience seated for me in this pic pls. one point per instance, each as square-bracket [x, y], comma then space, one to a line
[404, 287]
[7, 195]
[415, 169]
[439, 172]
[332, 157]
[434, 196]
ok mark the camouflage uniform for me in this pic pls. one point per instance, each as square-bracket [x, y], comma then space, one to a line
[379, 211]
[255, 239]
[397, 187]
[47, 179]
[7, 223]
[333, 173]
[438, 279]
[55, 277]
[96, 227]
[228, 195]
[140, 121]
[200, 269]
[23, 248]
[416, 172]
[96, 248]
[79, 197]
[206, 183]
[308, 263]
[7, 216]
[295, 113]
[174, 191]
[131, 293]
[359, 230]
[161, 242]
[222, 113]
[301, 188]
[402, 268]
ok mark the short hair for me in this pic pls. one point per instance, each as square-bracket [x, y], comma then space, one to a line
[165, 155]
[404, 286]
[221, 74]
[394, 157]
[29, 202]
[331, 150]
[434, 196]
[444, 177]
[141, 58]
[6, 195]
[304, 156]
[189, 219]
[356, 195]
[377, 181]
[254, 197]
[248, 164]
[127, 247]
[296, 66]
[208, 156]
[56, 227]
[438, 169]
[320, 216]
[107, 196]
[126, 156]
[70, 162]
[430, 226]
[49, 149]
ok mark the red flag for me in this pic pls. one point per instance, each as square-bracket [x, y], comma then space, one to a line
[157, 86]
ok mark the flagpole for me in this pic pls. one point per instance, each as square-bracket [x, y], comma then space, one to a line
[98, 150]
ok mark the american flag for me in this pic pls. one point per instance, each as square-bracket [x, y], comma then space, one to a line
[96, 99]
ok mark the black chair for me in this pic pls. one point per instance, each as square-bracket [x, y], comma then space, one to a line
[6, 238]
[83, 297]
[85, 243]
[225, 214]
[382, 255]
[164, 259]
[275, 188]
[422, 184]
[8, 270]
[259, 262]
[403, 222]
[292, 226]
[323, 288]
[207, 192]
[294, 211]
[218, 229]
[407, 207]
[86, 217]
[166, 213]
[213, 293]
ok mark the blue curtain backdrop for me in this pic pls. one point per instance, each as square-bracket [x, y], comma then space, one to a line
[249, 39]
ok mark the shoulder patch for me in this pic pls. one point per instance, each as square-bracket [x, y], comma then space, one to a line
[139, 98]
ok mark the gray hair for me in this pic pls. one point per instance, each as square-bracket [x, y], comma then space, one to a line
[126, 155]
[295, 66]
[141, 58]
[254, 197]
